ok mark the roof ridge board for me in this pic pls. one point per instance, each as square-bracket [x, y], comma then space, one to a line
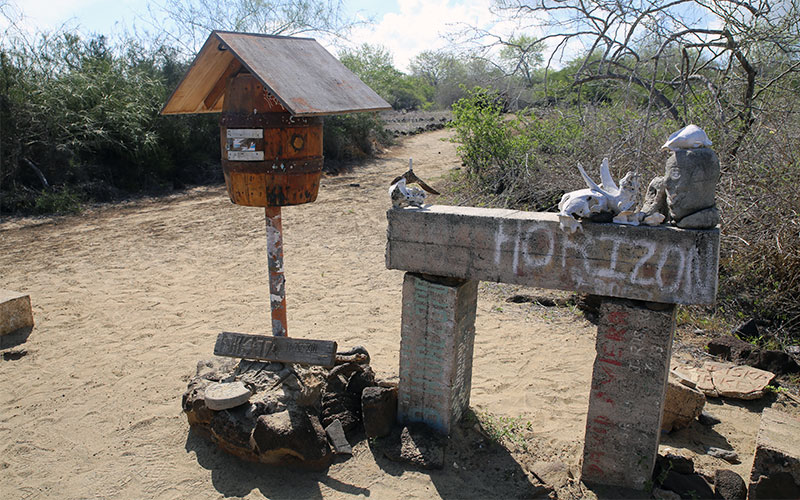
[261, 35]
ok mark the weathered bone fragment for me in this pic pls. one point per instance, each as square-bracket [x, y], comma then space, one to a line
[628, 217]
[654, 209]
[689, 137]
[404, 195]
[598, 202]
[653, 219]
[411, 178]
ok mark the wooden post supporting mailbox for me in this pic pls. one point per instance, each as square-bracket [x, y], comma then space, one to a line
[272, 92]
[641, 271]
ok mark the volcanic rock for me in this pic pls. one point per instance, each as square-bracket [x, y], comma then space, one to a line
[379, 410]
[682, 405]
[729, 485]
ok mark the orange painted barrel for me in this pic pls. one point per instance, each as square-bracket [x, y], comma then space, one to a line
[270, 158]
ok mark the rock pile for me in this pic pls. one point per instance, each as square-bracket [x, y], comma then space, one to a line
[277, 413]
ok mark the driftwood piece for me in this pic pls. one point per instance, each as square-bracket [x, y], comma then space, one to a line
[280, 349]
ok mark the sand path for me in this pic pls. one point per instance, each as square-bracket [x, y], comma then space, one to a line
[127, 298]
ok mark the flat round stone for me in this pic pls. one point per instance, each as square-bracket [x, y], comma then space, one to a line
[222, 396]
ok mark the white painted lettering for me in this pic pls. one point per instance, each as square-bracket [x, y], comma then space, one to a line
[676, 270]
[544, 259]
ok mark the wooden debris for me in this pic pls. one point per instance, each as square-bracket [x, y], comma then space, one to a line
[280, 349]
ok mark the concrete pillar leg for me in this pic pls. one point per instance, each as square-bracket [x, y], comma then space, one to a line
[629, 382]
[437, 337]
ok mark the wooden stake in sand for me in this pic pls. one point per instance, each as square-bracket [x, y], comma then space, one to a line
[277, 282]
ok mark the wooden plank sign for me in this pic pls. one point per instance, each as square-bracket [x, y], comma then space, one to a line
[280, 349]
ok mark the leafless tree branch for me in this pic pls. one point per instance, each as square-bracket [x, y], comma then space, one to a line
[726, 52]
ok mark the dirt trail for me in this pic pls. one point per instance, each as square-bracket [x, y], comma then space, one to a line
[127, 298]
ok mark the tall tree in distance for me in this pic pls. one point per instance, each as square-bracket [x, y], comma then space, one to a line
[443, 72]
[522, 55]
[188, 22]
[374, 64]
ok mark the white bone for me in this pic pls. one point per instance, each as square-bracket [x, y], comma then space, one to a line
[689, 137]
[402, 195]
[584, 203]
[606, 179]
[654, 219]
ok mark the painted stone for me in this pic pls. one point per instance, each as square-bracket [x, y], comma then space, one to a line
[222, 396]
[725, 379]
[690, 183]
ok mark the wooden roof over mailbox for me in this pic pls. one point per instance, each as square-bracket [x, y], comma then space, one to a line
[299, 72]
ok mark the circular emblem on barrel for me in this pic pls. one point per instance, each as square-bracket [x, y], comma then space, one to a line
[297, 142]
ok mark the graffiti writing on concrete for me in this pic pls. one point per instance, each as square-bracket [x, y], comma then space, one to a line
[610, 354]
[626, 396]
[424, 397]
[435, 353]
[606, 263]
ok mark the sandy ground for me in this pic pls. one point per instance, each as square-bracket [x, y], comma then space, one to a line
[127, 298]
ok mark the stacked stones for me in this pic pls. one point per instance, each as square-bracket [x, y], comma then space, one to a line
[685, 193]
[280, 413]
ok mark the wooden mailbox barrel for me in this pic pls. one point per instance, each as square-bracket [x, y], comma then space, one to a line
[270, 158]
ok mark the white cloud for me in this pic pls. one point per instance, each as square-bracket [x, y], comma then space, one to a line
[410, 28]
[44, 15]
[422, 25]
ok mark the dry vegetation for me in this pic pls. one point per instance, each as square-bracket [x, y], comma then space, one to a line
[529, 160]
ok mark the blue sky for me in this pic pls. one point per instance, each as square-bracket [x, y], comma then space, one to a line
[405, 27]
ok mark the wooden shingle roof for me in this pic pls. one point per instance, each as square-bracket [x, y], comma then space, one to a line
[299, 72]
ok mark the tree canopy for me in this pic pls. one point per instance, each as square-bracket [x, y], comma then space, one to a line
[729, 54]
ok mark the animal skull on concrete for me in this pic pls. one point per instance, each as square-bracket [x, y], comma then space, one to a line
[598, 199]
[404, 195]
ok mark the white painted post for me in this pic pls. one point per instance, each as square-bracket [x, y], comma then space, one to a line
[277, 282]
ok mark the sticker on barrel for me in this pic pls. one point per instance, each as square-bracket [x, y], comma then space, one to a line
[243, 144]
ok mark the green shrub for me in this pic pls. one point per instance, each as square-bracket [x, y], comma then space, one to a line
[63, 200]
[494, 148]
[353, 136]
[86, 112]
[84, 115]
